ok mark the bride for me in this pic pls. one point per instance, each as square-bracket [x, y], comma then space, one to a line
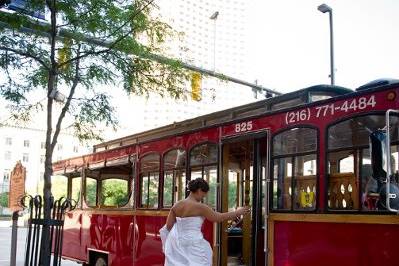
[182, 239]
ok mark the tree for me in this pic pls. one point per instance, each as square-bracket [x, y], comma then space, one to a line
[91, 191]
[57, 56]
[114, 192]
[4, 199]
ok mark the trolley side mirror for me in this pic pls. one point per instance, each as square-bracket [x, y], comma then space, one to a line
[378, 151]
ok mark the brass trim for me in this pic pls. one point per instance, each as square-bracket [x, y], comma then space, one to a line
[124, 212]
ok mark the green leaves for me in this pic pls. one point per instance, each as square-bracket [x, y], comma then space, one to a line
[4, 199]
[114, 192]
[13, 94]
[99, 74]
[93, 112]
[96, 42]
[38, 77]
[96, 109]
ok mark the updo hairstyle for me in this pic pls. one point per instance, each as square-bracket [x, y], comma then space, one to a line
[198, 183]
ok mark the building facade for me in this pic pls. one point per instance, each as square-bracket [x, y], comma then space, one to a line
[213, 37]
[27, 145]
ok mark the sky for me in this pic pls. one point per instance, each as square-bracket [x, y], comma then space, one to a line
[291, 45]
[290, 48]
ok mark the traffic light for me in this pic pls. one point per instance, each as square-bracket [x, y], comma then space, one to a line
[65, 53]
[196, 92]
[4, 2]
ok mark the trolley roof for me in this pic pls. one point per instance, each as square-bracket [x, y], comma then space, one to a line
[296, 98]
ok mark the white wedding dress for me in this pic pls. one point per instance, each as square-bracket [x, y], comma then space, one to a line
[184, 244]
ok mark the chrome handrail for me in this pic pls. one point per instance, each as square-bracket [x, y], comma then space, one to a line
[388, 157]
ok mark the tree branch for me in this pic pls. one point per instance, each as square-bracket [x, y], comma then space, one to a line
[22, 53]
[112, 45]
[129, 20]
[53, 34]
[77, 20]
[67, 104]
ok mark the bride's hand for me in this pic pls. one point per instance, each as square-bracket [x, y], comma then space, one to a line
[243, 210]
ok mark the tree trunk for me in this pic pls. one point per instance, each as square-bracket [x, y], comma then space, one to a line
[48, 171]
[45, 252]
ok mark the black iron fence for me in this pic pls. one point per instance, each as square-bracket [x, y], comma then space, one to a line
[35, 251]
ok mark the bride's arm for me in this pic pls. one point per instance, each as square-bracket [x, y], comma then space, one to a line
[170, 221]
[214, 216]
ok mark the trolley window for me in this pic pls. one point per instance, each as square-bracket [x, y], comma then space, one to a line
[149, 181]
[350, 182]
[59, 186]
[114, 192]
[174, 165]
[91, 191]
[76, 187]
[294, 167]
[203, 164]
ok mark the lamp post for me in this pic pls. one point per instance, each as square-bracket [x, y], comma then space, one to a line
[214, 18]
[326, 9]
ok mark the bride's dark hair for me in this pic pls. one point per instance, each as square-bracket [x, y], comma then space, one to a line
[198, 183]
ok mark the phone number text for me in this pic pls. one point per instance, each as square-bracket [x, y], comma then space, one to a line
[330, 109]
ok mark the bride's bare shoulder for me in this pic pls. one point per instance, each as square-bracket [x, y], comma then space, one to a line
[200, 207]
[190, 208]
[179, 205]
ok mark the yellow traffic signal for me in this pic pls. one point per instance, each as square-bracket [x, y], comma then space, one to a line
[65, 53]
[196, 92]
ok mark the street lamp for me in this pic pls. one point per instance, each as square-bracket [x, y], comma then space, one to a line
[214, 18]
[326, 9]
[57, 96]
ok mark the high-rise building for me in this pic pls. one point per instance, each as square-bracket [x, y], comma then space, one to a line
[214, 37]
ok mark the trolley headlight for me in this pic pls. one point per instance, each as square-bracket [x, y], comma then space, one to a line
[391, 96]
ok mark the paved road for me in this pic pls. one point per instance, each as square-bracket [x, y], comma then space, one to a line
[5, 246]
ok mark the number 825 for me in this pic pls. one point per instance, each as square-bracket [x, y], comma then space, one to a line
[243, 126]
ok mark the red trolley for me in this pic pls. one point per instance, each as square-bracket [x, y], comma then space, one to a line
[314, 165]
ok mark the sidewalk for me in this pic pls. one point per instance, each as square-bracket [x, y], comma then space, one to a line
[5, 243]
[8, 223]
